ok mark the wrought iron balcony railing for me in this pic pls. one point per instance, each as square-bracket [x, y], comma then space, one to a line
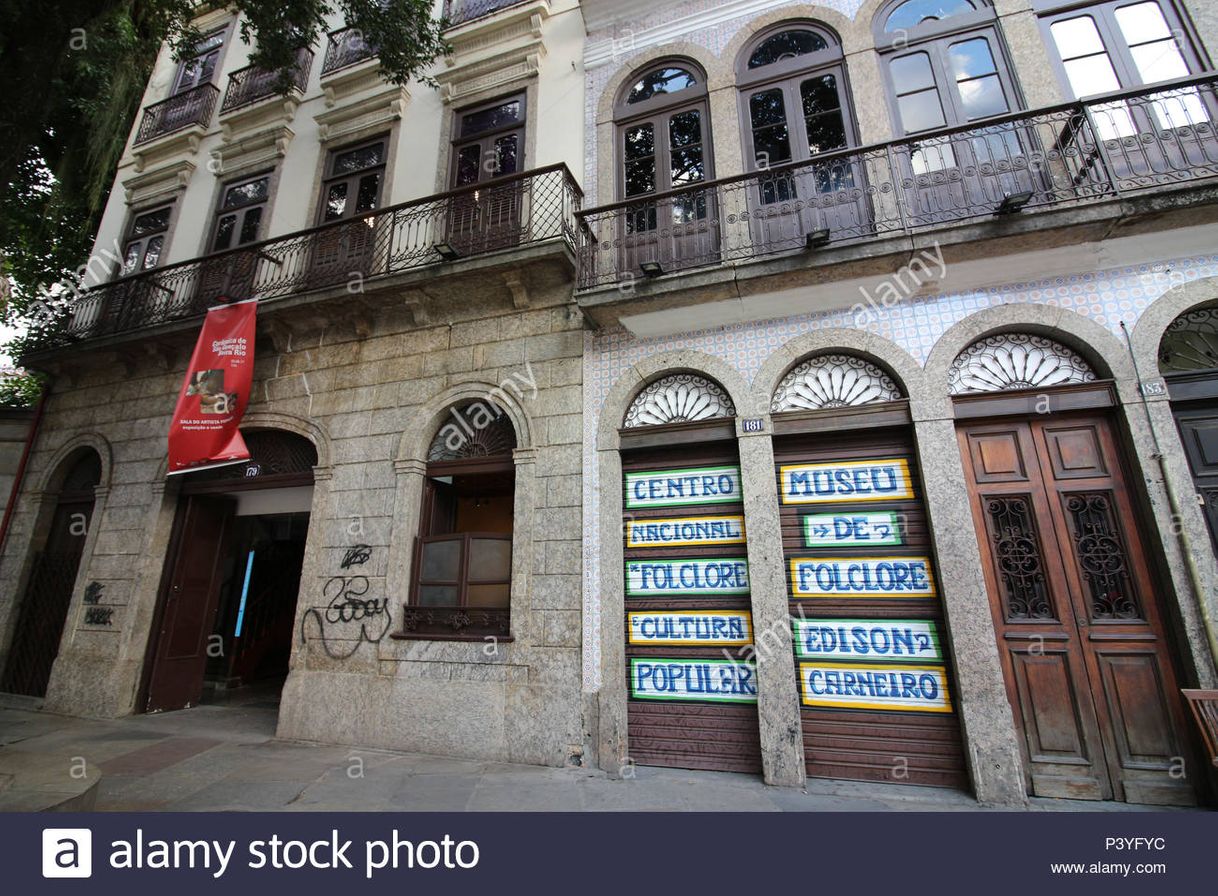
[503, 214]
[180, 111]
[345, 47]
[458, 12]
[250, 84]
[1104, 148]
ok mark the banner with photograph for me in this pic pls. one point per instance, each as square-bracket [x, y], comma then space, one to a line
[213, 399]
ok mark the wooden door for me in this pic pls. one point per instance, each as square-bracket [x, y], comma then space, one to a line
[1089, 673]
[1199, 433]
[190, 596]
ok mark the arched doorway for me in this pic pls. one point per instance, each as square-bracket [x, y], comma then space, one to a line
[227, 604]
[44, 606]
[1188, 361]
[1080, 627]
[692, 698]
[878, 699]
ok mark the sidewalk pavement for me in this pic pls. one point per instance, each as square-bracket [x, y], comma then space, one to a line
[226, 758]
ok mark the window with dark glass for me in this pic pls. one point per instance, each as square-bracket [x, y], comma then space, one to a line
[145, 241]
[242, 207]
[489, 142]
[463, 555]
[200, 68]
[794, 106]
[662, 140]
[353, 183]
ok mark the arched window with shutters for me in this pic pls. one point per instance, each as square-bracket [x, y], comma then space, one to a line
[664, 145]
[462, 579]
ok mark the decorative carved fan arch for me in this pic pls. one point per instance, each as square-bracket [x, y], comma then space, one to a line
[833, 381]
[1191, 342]
[473, 431]
[1010, 361]
[679, 398]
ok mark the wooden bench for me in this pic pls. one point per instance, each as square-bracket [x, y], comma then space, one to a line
[1204, 705]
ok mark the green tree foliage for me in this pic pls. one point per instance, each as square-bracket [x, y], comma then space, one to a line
[74, 73]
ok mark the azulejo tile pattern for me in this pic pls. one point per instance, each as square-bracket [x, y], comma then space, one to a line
[1107, 297]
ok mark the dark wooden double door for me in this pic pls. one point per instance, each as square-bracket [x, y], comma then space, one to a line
[1080, 629]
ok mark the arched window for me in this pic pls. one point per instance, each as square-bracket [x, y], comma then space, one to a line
[833, 381]
[795, 108]
[663, 144]
[462, 579]
[793, 96]
[945, 65]
[1016, 361]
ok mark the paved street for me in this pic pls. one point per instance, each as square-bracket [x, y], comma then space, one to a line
[226, 758]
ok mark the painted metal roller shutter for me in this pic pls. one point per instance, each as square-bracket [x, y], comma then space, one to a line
[867, 664]
[707, 720]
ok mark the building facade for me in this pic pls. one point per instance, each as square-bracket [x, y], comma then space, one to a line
[890, 292]
[837, 401]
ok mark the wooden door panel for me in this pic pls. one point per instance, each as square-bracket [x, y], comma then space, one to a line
[1137, 703]
[997, 457]
[1075, 452]
[189, 605]
[1200, 437]
[1053, 724]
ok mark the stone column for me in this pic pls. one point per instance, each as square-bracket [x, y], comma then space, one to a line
[990, 740]
[612, 699]
[406, 507]
[782, 751]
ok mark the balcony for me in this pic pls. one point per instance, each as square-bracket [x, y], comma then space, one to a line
[506, 214]
[345, 47]
[1079, 154]
[251, 84]
[458, 12]
[180, 111]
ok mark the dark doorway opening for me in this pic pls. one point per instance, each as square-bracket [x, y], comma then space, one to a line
[252, 636]
[225, 616]
[48, 592]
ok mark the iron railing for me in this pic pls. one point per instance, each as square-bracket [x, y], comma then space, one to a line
[502, 214]
[250, 84]
[1106, 147]
[181, 110]
[458, 12]
[345, 47]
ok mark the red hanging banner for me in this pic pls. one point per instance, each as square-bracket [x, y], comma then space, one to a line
[213, 399]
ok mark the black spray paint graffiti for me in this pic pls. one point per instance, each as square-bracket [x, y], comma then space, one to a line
[357, 555]
[95, 614]
[348, 602]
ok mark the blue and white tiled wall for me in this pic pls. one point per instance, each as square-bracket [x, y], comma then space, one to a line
[1107, 297]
